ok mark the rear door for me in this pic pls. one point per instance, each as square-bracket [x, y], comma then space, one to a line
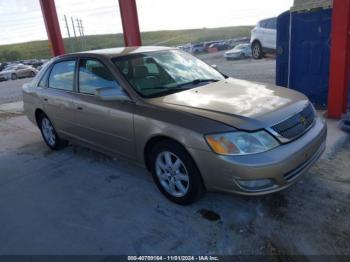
[57, 95]
[21, 71]
[258, 32]
[270, 33]
[105, 124]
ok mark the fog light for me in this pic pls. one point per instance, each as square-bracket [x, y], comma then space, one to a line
[255, 185]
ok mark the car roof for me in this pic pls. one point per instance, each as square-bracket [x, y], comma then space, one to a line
[121, 51]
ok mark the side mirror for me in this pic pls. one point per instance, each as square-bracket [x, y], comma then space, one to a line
[215, 67]
[112, 94]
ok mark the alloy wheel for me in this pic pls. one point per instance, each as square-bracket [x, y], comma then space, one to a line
[48, 131]
[256, 51]
[172, 174]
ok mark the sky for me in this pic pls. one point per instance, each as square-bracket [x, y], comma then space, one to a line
[21, 20]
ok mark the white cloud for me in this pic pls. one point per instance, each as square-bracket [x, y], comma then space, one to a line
[21, 20]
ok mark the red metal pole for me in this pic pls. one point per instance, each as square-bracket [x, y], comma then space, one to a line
[340, 59]
[53, 30]
[130, 21]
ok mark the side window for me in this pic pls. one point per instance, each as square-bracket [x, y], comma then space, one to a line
[263, 24]
[44, 79]
[62, 75]
[93, 75]
[274, 23]
[271, 23]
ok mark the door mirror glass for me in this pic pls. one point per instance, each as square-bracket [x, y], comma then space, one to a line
[111, 94]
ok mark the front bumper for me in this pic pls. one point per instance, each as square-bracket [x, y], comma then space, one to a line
[283, 165]
[3, 78]
[232, 55]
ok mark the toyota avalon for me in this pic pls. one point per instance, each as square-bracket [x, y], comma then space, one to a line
[191, 126]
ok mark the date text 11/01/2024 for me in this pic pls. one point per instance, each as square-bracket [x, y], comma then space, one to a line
[173, 258]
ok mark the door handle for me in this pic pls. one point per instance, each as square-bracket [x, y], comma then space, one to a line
[45, 99]
[79, 108]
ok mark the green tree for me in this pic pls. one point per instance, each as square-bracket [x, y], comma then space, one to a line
[10, 55]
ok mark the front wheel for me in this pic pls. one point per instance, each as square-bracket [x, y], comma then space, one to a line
[14, 77]
[175, 173]
[257, 51]
[49, 134]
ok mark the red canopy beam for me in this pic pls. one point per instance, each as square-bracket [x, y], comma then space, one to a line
[130, 21]
[340, 59]
[53, 30]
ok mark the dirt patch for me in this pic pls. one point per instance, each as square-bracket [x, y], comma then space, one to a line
[7, 115]
[110, 179]
[209, 215]
[276, 205]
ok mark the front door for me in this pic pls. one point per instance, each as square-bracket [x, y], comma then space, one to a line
[105, 124]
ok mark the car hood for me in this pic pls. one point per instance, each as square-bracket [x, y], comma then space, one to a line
[238, 103]
[234, 52]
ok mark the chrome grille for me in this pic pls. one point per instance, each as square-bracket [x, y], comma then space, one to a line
[295, 125]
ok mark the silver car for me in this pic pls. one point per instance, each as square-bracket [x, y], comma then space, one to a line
[18, 71]
[239, 52]
[193, 128]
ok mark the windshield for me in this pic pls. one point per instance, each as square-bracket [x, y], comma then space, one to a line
[11, 68]
[155, 74]
[240, 47]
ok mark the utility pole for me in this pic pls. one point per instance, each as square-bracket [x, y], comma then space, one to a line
[75, 34]
[70, 40]
[80, 33]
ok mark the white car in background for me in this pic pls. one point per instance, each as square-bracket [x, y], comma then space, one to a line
[263, 37]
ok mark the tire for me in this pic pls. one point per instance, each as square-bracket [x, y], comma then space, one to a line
[49, 134]
[168, 180]
[257, 51]
[14, 77]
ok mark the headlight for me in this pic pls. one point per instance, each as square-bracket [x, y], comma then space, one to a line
[241, 143]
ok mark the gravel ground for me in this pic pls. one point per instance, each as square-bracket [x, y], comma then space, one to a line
[11, 90]
[77, 201]
[247, 69]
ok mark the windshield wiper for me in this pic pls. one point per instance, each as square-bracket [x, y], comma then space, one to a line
[198, 81]
[178, 88]
[163, 88]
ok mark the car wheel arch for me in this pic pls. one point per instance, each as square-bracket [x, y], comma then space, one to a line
[151, 143]
[157, 139]
[38, 113]
[256, 41]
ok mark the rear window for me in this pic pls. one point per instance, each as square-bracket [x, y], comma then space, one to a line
[269, 23]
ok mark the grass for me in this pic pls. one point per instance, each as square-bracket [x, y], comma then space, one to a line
[40, 49]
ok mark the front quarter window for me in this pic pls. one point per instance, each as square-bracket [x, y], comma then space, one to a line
[159, 73]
